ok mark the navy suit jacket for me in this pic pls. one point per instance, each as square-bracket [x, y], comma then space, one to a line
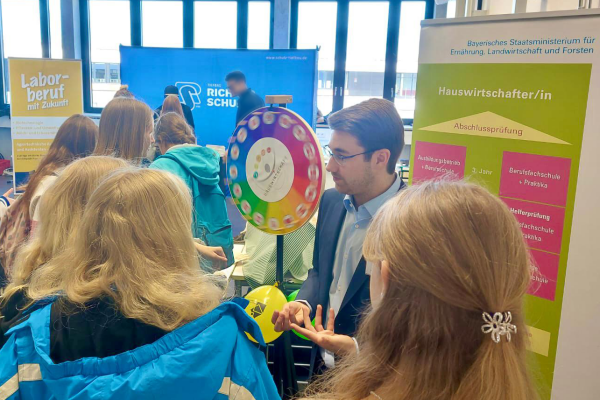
[315, 289]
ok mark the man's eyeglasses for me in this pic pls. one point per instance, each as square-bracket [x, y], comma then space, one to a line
[342, 159]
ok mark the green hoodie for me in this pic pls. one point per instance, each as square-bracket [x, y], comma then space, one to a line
[199, 168]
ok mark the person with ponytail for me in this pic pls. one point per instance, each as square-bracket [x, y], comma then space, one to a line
[172, 104]
[75, 138]
[449, 272]
[199, 168]
[134, 317]
[60, 211]
[171, 93]
[126, 126]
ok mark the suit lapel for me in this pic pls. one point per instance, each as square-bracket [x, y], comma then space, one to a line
[358, 280]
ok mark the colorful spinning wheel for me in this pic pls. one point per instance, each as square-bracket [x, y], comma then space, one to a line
[275, 170]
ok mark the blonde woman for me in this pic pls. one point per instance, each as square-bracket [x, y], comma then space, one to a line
[125, 131]
[60, 209]
[138, 319]
[444, 259]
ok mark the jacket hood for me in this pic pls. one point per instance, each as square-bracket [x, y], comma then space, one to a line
[200, 162]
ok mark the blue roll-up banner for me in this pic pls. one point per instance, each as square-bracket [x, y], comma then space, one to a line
[200, 76]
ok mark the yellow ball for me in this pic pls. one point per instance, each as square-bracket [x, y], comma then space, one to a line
[264, 301]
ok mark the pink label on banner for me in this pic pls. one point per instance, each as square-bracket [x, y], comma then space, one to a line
[433, 160]
[543, 284]
[542, 225]
[535, 178]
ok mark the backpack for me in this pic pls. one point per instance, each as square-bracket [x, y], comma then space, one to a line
[211, 223]
[15, 227]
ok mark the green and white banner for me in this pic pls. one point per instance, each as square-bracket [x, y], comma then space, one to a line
[509, 103]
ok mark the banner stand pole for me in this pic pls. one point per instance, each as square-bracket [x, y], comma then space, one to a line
[285, 370]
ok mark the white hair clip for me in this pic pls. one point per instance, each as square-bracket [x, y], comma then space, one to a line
[499, 325]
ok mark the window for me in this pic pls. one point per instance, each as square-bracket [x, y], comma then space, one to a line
[21, 32]
[109, 28]
[114, 73]
[99, 72]
[259, 24]
[215, 24]
[317, 23]
[162, 23]
[411, 14]
[451, 10]
[55, 29]
[365, 58]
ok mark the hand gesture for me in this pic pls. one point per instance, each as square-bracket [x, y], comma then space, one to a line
[326, 338]
[293, 312]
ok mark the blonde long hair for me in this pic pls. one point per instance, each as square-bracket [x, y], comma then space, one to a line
[454, 252]
[126, 126]
[61, 208]
[135, 246]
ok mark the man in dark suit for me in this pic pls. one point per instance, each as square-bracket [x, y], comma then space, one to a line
[365, 145]
[248, 100]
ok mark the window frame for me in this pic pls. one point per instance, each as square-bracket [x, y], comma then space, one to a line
[45, 40]
[135, 15]
[341, 45]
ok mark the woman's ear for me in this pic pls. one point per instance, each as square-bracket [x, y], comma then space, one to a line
[385, 276]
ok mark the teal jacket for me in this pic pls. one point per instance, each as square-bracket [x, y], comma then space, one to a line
[199, 168]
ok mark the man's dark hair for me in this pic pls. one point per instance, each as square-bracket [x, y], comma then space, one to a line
[235, 76]
[376, 125]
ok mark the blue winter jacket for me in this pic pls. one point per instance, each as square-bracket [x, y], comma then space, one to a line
[199, 168]
[208, 358]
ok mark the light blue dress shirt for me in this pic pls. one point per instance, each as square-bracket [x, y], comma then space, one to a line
[349, 248]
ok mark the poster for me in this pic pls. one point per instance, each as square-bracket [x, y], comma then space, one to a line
[200, 74]
[44, 93]
[506, 104]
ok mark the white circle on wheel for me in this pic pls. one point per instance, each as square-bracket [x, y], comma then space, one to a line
[269, 169]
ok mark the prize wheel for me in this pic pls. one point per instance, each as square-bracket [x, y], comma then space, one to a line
[275, 170]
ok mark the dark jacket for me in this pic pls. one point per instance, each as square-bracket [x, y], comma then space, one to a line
[187, 113]
[11, 313]
[315, 289]
[248, 102]
[99, 330]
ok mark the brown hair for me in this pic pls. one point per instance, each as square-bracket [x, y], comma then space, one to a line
[171, 129]
[172, 104]
[376, 125]
[124, 127]
[75, 138]
[454, 252]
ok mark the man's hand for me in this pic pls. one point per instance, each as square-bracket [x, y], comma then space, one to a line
[326, 338]
[293, 312]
